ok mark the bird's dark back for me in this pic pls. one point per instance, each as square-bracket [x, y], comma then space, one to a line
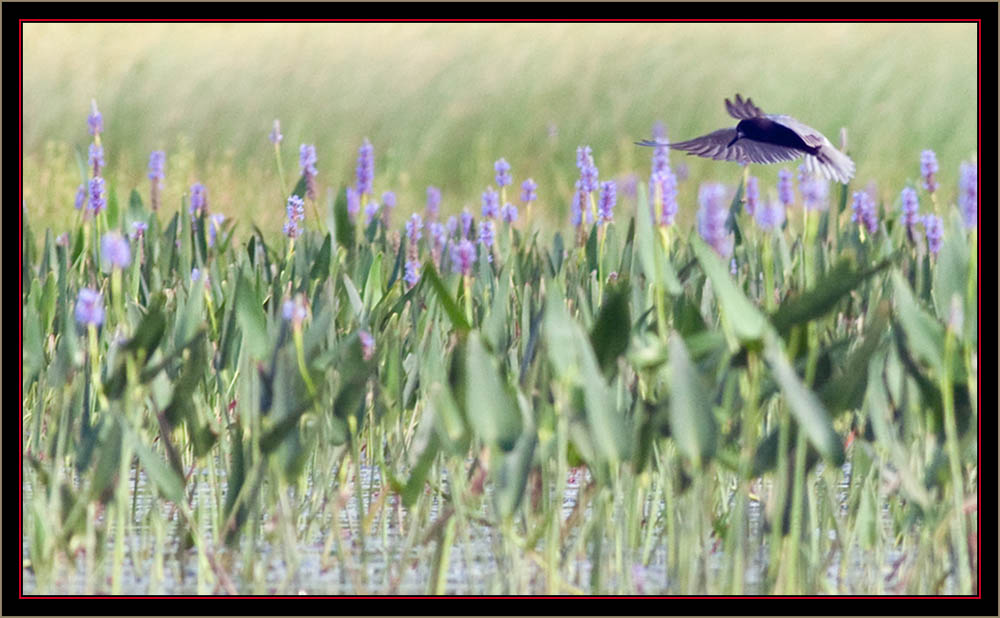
[768, 131]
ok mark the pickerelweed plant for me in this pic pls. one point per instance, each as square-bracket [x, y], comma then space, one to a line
[396, 404]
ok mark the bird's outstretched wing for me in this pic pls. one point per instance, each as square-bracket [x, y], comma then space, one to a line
[828, 162]
[716, 146]
[743, 110]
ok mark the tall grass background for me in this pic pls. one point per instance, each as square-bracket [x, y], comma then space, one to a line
[441, 102]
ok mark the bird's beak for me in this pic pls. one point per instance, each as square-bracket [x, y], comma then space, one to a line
[735, 139]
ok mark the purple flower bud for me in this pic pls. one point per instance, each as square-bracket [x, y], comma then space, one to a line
[508, 213]
[307, 167]
[935, 233]
[96, 201]
[438, 238]
[433, 203]
[365, 170]
[452, 225]
[968, 194]
[732, 267]
[412, 274]
[466, 224]
[89, 307]
[661, 154]
[353, 203]
[929, 167]
[214, 225]
[95, 122]
[785, 192]
[81, 197]
[95, 158]
[199, 200]
[195, 274]
[630, 186]
[367, 344]
[864, 211]
[503, 173]
[606, 203]
[584, 157]
[491, 204]
[770, 215]
[576, 207]
[910, 206]
[588, 178]
[275, 135]
[139, 228]
[663, 193]
[463, 256]
[528, 191]
[157, 165]
[115, 250]
[814, 190]
[712, 216]
[752, 195]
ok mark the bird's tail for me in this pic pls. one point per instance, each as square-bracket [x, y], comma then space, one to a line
[831, 163]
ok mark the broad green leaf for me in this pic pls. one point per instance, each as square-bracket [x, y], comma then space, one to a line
[251, 318]
[357, 305]
[924, 334]
[804, 405]
[692, 423]
[512, 474]
[373, 283]
[612, 328]
[492, 412]
[746, 321]
[164, 478]
[321, 267]
[448, 303]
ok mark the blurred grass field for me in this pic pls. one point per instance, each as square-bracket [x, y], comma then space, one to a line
[442, 102]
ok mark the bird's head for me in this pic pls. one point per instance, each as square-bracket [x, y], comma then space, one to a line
[740, 133]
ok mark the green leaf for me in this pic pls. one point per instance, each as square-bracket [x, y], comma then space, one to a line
[164, 478]
[344, 227]
[300, 187]
[822, 298]
[746, 321]
[449, 305]
[692, 423]
[804, 405]
[512, 474]
[321, 267]
[924, 334]
[492, 412]
[251, 318]
[373, 283]
[357, 305]
[847, 388]
[610, 335]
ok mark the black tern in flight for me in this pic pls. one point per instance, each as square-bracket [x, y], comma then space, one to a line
[767, 138]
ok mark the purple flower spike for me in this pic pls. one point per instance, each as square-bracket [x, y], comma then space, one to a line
[157, 165]
[95, 122]
[81, 197]
[606, 203]
[785, 192]
[928, 168]
[412, 274]
[528, 191]
[712, 218]
[486, 234]
[433, 203]
[353, 203]
[307, 167]
[503, 173]
[367, 344]
[588, 178]
[576, 207]
[663, 192]
[199, 200]
[466, 224]
[115, 250]
[491, 204]
[138, 229]
[275, 135]
[295, 310]
[584, 157]
[752, 195]
[452, 225]
[95, 157]
[935, 233]
[661, 154]
[864, 211]
[508, 213]
[438, 238]
[295, 210]
[365, 170]
[770, 215]
[814, 190]
[463, 256]
[413, 227]
[96, 200]
[89, 307]
[371, 209]
[968, 194]
[910, 206]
